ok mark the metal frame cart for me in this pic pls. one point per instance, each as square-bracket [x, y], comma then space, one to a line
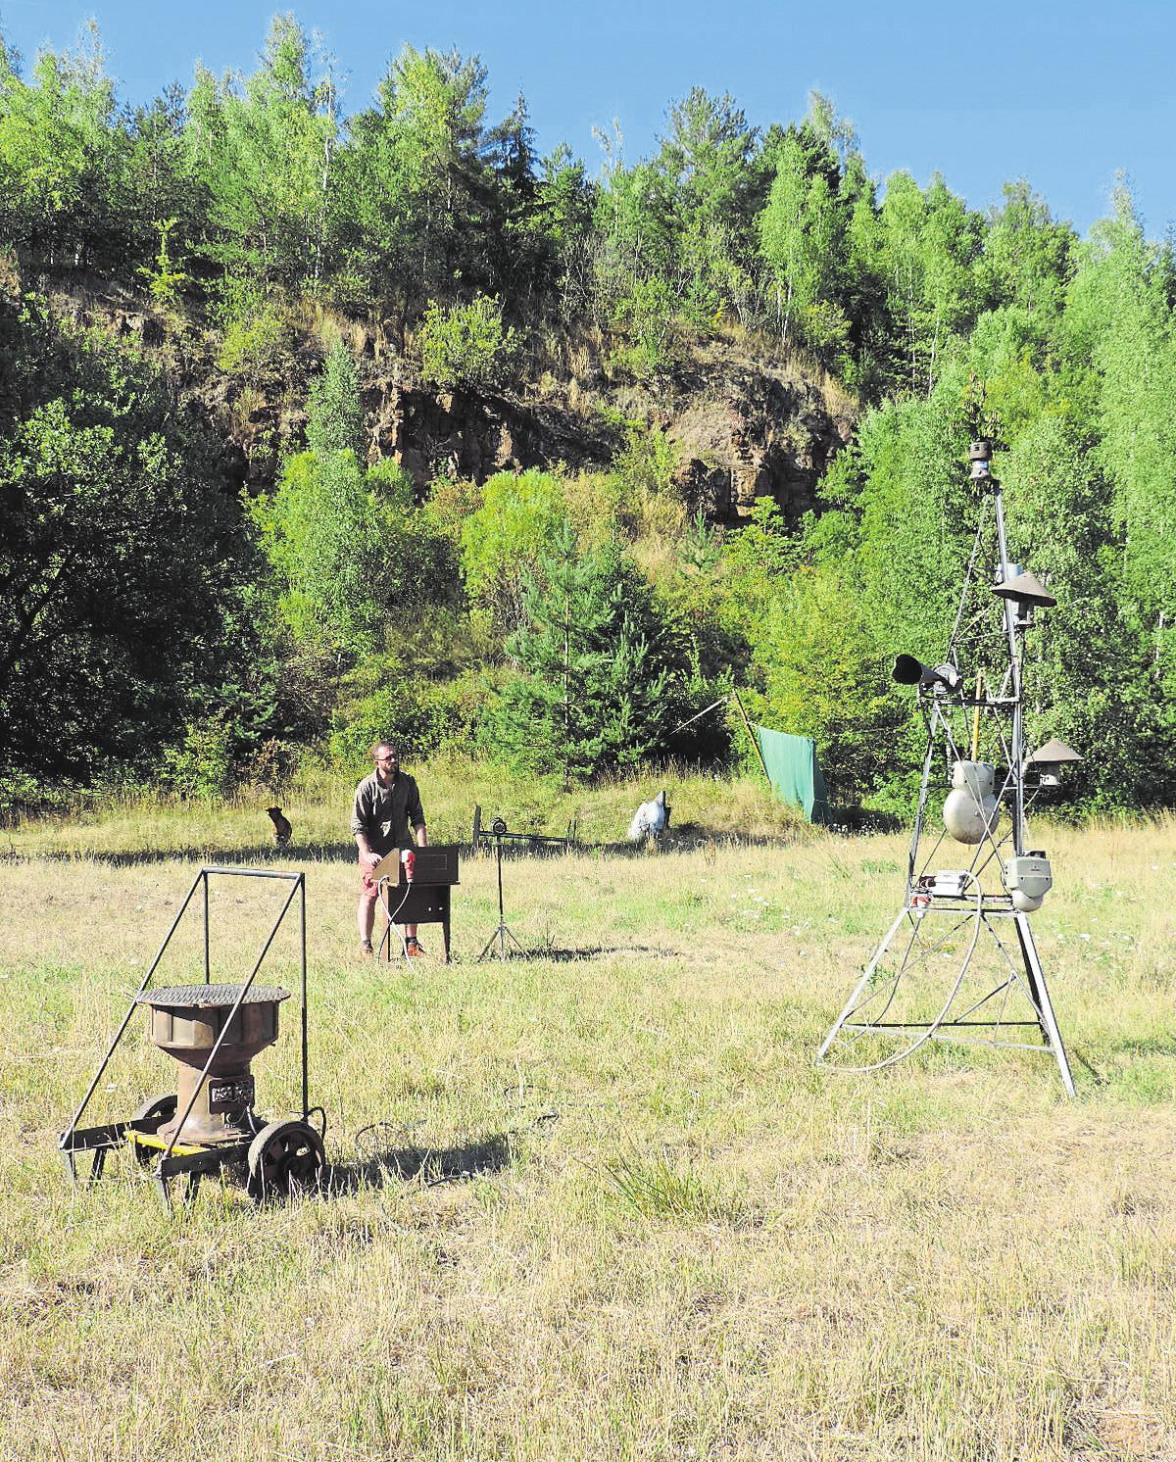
[280, 1158]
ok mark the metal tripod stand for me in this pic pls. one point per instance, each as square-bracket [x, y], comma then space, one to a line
[959, 962]
[502, 932]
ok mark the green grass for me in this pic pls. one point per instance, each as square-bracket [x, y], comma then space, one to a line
[598, 1203]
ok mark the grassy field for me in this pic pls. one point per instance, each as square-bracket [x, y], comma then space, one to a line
[597, 1203]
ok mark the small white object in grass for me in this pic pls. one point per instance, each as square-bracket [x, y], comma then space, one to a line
[650, 820]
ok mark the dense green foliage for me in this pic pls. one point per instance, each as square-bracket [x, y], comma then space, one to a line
[571, 622]
[122, 568]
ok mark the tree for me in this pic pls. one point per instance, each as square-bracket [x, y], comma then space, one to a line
[824, 675]
[1027, 258]
[59, 156]
[801, 239]
[565, 203]
[929, 243]
[503, 541]
[264, 148]
[159, 196]
[1093, 681]
[594, 671]
[121, 559]
[335, 415]
[418, 187]
[707, 159]
[336, 536]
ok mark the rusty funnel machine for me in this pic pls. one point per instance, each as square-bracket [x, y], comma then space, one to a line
[213, 1032]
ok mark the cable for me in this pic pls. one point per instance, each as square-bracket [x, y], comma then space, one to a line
[935, 1024]
[391, 917]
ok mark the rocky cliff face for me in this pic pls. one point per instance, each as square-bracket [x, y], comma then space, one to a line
[744, 427]
[742, 431]
[474, 434]
[748, 430]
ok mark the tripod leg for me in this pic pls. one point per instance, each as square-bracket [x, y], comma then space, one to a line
[851, 1003]
[1045, 1010]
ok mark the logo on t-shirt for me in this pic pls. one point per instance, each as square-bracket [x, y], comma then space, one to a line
[385, 828]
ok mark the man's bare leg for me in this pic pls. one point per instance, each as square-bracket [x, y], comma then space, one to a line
[366, 915]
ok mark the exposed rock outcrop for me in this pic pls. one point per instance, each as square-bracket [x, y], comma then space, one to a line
[754, 431]
[474, 434]
[744, 426]
[742, 429]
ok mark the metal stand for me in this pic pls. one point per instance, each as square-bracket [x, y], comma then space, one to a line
[502, 933]
[279, 1156]
[959, 961]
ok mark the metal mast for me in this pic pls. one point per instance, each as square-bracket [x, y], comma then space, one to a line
[959, 962]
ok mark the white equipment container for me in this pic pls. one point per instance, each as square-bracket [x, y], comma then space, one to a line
[971, 810]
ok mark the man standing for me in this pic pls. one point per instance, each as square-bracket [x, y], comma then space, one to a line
[387, 803]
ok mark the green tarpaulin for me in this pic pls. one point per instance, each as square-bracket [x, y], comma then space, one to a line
[793, 772]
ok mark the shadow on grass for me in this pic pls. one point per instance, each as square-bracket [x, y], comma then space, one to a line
[565, 956]
[688, 838]
[1143, 1046]
[266, 857]
[427, 1165]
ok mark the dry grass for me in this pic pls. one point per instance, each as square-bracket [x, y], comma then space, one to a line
[598, 1204]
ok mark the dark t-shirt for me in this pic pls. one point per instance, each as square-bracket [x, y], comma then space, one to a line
[385, 813]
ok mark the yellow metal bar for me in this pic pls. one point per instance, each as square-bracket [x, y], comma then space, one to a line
[149, 1139]
[976, 716]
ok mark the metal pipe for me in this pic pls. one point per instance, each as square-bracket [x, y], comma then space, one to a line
[255, 873]
[305, 1022]
[77, 1116]
[1017, 748]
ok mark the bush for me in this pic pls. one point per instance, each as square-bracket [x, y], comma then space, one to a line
[466, 345]
[418, 716]
[649, 317]
[256, 340]
[503, 541]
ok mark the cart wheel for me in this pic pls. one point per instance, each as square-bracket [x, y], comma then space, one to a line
[284, 1158]
[161, 1109]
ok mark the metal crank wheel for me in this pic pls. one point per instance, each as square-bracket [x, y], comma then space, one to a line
[284, 1158]
[159, 1110]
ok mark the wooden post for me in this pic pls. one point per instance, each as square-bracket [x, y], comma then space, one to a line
[751, 732]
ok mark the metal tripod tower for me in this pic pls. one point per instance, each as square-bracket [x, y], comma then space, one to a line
[959, 961]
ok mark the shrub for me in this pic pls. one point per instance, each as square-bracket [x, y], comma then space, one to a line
[466, 345]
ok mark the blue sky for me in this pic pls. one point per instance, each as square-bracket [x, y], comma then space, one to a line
[1066, 95]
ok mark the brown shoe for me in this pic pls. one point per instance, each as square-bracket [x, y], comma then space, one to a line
[365, 948]
[413, 948]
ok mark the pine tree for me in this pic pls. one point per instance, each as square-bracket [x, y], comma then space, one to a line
[591, 693]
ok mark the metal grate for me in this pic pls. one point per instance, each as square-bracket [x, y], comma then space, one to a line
[211, 995]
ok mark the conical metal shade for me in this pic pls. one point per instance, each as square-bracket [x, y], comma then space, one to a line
[1026, 589]
[1054, 753]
